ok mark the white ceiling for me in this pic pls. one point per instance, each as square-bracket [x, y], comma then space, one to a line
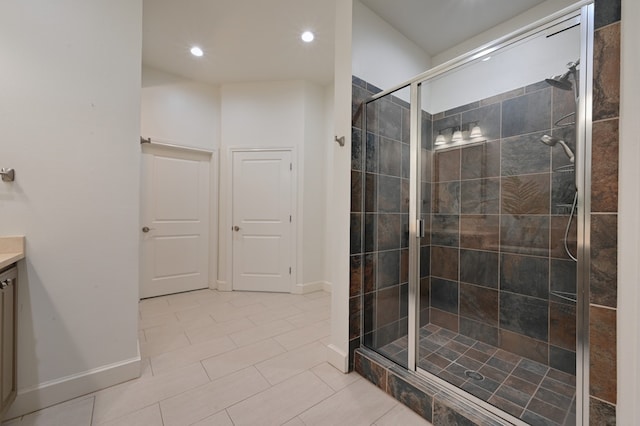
[257, 40]
[243, 40]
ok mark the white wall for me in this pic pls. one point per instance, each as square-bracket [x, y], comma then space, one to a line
[269, 114]
[314, 181]
[530, 16]
[179, 110]
[519, 65]
[340, 189]
[381, 55]
[628, 411]
[286, 114]
[330, 134]
[70, 118]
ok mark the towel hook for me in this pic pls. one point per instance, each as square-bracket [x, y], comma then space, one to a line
[8, 175]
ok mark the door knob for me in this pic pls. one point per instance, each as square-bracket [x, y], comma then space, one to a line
[146, 229]
[236, 228]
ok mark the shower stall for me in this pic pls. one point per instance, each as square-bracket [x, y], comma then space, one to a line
[470, 235]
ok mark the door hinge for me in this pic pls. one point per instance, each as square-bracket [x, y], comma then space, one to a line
[290, 219]
[290, 166]
[289, 270]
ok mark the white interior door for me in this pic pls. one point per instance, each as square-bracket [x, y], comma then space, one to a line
[175, 221]
[262, 220]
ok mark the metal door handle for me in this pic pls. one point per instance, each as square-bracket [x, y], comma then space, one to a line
[420, 231]
[6, 283]
[236, 228]
[146, 229]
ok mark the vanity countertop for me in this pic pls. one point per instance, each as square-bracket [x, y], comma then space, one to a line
[11, 250]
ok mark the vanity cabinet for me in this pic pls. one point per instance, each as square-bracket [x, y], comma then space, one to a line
[8, 283]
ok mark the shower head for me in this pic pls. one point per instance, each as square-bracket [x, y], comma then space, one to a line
[551, 141]
[562, 81]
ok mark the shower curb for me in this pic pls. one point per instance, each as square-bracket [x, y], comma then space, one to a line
[429, 399]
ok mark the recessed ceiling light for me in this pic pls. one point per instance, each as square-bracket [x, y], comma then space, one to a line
[307, 36]
[196, 51]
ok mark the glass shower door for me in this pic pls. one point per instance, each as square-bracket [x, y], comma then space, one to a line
[496, 315]
[386, 225]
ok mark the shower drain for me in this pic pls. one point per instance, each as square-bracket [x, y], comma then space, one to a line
[474, 375]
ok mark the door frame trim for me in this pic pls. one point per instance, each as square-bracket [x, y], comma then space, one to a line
[295, 223]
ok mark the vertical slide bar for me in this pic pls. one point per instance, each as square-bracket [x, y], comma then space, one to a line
[583, 180]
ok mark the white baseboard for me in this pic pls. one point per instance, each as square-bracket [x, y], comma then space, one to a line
[224, 286]
[337, 358]
[326, 286]
[312, 287]
[59, 390]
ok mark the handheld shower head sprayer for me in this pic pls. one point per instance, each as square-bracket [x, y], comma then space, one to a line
[548, 140]
[551, 141]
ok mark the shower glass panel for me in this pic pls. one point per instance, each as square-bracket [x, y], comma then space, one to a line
[386, 225]
[502, 306]
[493, 302]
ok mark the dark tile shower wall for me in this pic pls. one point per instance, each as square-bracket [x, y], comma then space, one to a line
[360, 91]
[498, 220]
[604, 218]
[495, 256]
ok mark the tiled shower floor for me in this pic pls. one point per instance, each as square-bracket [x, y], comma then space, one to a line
[535, 393]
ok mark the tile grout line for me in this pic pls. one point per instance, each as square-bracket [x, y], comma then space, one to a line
[568, 413]
[329, 396]
[161, 415]
[93, 409]
[159, 402]
[533, 395]
[271, 387]
[129, 413]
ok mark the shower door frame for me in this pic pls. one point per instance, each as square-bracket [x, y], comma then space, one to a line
[584, 10]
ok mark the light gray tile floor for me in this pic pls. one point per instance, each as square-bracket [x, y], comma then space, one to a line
[233, 358]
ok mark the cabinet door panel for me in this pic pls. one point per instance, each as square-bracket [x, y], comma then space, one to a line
[7, 378]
